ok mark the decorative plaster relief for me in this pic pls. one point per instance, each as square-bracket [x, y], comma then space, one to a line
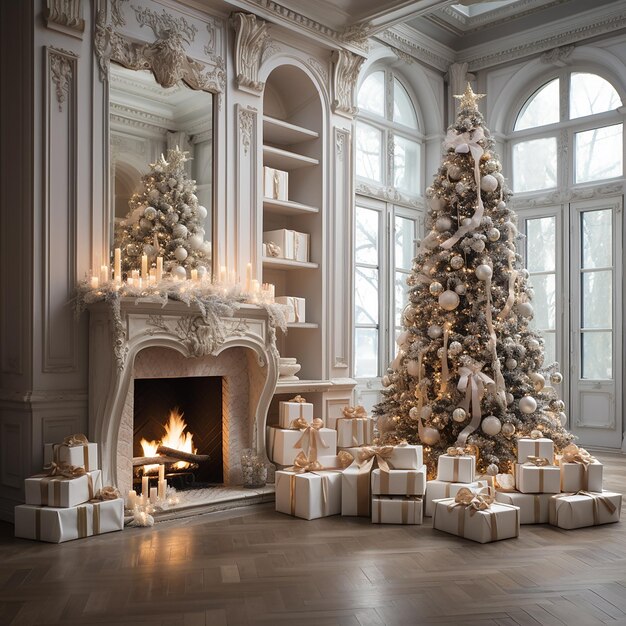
[318, 67]
[246, 120]
[346, 73]
[389, 194]
[65, 16]
[571, 195]
[61, 74]
[557, 56]
[250, 43]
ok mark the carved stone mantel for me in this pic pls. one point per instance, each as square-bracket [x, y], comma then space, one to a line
[179, 328]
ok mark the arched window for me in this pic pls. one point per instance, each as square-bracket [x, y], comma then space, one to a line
[388, 167]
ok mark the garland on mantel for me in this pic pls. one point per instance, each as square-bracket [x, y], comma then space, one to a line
[214, 303]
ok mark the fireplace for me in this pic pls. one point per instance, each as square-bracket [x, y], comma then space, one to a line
[182, 414]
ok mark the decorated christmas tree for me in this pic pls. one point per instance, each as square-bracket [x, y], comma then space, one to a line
[470, 369]
[165, 219]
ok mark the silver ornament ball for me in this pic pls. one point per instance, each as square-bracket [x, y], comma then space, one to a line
[508, 429]
[491, 425]
[426, 412]
[525, 309]
[179, 271]
[413, 413]
[150, 213]
[460, 289]
[510, 364]
[179, 231]
[539, 382]
[457, 262]
[435, 288]
[449, 300]
[455, 348]
[556, 378]
[459, 415]
[443, 224]
[180, 253]
[527, 405]
[430, 436]
[489, 183]
[493, 234]
[434, 331]
[483, 272]
[493, 470]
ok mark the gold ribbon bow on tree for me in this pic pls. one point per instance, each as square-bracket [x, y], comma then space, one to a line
[472, 381]
[353, 412]
[471, 139]
[369, 454]
[456, 451]
[537, 461]
[64, 469]
[575, 454]
[302, 464]
[108, 492]
[311, 438]
[76, 440]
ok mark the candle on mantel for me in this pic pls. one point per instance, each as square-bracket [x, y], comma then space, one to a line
[104, 274]
[144, 266]
[159, 269]
[130, 281]
[248, 276]
[222, 273]
[152, 277]
[153, 495]
[145, 483]
[117, 265]
[135, 274]
[194, 276]
[131, 500]
[162, 482]
[94, 282]
[255, 286]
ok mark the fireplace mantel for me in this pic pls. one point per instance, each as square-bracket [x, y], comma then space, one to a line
[113, 350]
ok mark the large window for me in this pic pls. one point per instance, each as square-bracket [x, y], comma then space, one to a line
[388, 163]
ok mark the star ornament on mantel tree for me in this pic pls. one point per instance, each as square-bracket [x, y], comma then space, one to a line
[469, 99]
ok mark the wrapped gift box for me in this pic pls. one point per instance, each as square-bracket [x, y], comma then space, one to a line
[399, 482]
[542, 448]
[356, 431]
[293, 410]
[534, 507]
[59, 491]
[499, 521]
[275, 184]
[456, 469]
[85, 455]
[534, 479]
[355, 491]
[396, 510]
[297, 308]
[281, 444]
[580, 510]
[439, 489]
[339, 461]
[293, 244]
[579, 477]
[309, 495]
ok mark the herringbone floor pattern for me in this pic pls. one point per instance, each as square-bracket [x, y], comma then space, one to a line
[255, 566]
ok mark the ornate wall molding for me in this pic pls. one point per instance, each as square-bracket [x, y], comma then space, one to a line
[319, 68]
[346, 68]
[250, 42]
[404, 44]
[65, 16]
[61, 73]
[389, 194]
[246, 123]
[570, 195]
[557, 56]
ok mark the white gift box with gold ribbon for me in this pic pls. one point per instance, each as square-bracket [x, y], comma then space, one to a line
[355, 491]
[275, 183]
[457, 468]
[308, 495]
[579, 477]
[293, 244]
[295, 409]
[57, 525]
[397, 510]
[579, 510]
[399, 482]
[357, 431]
[284, 444]
[540, 447]
[494, 522]
[534, 507]
[297, 308]
[62, 491]
[75, 450]
[440, 489]
[531, 478]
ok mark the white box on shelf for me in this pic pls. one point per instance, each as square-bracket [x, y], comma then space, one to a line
[297, 308]
[542, 448]
[275, 183]
[281, 442]
[397, 510]
[85, 455]
[293, 410]
[537, 479]
[440, 489]
[534, 507]
[293, 245]
[62, 492]
[456, 469]
[399, 482]
[578, 477]
[309, 495]
[581, 510]
[57, 525]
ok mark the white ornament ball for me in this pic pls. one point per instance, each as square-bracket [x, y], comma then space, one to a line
[171, 219]
[466, 221]
[525, 273]
[462, 148]
[431, 436]
[483, 272]
[508, 429]
[501, 206]
[539, 382]
[413, 413]
[202, 271]
[493, 470]
[491, 425]
[443, 224]
[509, 398]
[205, 248]
[195, 242]
[510, 364]
[460, 289]
[386, 382]
[455, 348]
[179, 231]
[427, 411]
[556, 378]
[454, 172]
[179, 271]
[527, 405]
[435, 288]
[459, 415]
[180, 253]
[150, 213]
[172, 182]
[562, 418]
[434, 331]
[457, 262]
[478, 245]
[145, 224]
[412, 368]
[202, 212]
[489, 183]
[533, 345]
[449, 300]
[559, 405]
[525, 309]
[493, 234]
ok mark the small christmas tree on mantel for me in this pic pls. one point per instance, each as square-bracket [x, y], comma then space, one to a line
[166, 220]
[470, 370]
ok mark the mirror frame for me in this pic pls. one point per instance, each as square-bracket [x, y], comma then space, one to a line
[167, 59]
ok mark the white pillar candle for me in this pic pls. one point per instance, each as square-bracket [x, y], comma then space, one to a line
[161, 472]
[117, 265]
[131, 500]
[222, 274]
[162, 489]
[94, 282]
[144, 266]
[255, 286]
[104, 273]
[159, 269]
[152, 277]
[194, 276]
[130, 281]
[153, 495]
[248, 276]
[145, 482]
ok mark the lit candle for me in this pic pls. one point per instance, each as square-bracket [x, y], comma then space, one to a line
[131, 500]
[161, 472]
[222, 273]
[135, 274]
[248, 276]
[104, 273]
[144, 266]
[130, 281]
[94, 282]
[194, 276]
[117, 265]
[159, 269]
[145, 483]
[162, 489]
[152, 277]
[153, 495]
[255, 286]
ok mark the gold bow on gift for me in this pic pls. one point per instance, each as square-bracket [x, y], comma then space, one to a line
[345, 458]
[64, 469]
[76, 440]
[108, 492]
[536, 434]
[381, 454]
[456, 451]
[538, 461]
[273, 249]
[474, 501]
[505, 482]
[299, 399]
[575, 454]
[300, 423]
[353, 412]
[302, 464]
[311, 438]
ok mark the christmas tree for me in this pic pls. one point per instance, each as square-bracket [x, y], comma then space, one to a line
[165, 219]
[470, 369]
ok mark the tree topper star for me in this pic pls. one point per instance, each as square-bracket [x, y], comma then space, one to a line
[469, 100]
[177, 157]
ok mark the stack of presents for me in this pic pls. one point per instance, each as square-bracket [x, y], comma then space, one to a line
[336, 470]
[67, 501]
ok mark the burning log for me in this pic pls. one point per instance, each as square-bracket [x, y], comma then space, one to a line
[138, 461]
[182, 456]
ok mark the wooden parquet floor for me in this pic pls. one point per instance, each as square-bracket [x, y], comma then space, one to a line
[255, 566]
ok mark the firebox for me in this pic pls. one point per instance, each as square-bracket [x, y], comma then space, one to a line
[182, 416]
